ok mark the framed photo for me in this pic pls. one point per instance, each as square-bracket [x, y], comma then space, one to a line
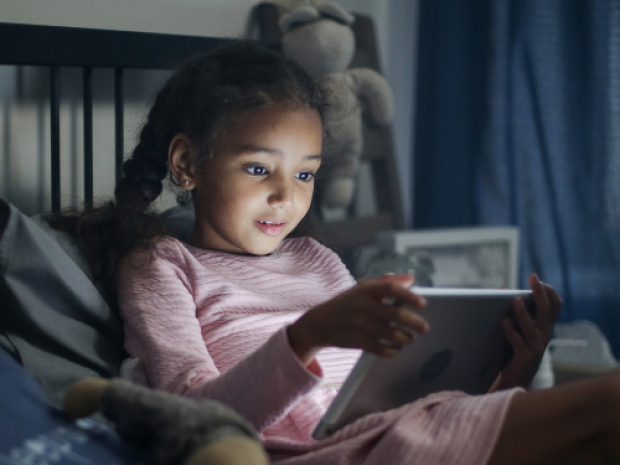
[458, 257]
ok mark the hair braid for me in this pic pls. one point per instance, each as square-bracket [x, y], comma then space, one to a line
[147, 167]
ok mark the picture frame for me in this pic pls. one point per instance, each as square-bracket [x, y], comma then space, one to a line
[477, 257]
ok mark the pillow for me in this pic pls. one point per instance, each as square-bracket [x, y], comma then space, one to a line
[180, 220]
[53, 319]
[32, 431]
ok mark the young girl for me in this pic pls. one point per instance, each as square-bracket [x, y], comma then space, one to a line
[270, 325]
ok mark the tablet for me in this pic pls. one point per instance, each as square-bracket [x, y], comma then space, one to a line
[465, 350]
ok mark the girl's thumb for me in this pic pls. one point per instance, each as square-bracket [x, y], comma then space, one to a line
[404, 279]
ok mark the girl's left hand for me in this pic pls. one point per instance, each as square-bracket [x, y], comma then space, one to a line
[530, 343]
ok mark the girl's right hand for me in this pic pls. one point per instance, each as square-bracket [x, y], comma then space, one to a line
[375, 315]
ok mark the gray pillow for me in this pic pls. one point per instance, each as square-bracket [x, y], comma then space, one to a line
[180, 219]
[53, 319]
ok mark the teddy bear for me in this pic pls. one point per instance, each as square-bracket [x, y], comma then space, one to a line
[167, 428]
[319, 38]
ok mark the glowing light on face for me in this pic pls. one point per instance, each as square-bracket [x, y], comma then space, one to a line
[259, 183]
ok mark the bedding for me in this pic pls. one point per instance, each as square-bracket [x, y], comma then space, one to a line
[54, 318]
[180, 220]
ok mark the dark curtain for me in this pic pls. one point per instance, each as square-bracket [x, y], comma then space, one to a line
[518, 123]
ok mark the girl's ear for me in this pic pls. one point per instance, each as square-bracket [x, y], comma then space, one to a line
[181, 161]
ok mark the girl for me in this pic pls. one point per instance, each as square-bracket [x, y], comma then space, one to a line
[268, 324]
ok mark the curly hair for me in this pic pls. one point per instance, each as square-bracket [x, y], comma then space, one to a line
[200, 100]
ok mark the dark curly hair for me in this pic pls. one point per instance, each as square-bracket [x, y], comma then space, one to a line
[200, 100]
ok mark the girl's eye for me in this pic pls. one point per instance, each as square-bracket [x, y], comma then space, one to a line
[305, 176]
[256, 170]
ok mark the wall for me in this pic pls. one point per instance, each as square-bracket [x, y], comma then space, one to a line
[219, 18]
[27, 114]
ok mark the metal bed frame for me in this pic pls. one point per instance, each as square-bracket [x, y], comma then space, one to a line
[54, 46]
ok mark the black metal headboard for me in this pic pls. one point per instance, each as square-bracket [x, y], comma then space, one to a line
[52, 46]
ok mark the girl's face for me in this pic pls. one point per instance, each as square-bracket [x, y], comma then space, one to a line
[258, 185]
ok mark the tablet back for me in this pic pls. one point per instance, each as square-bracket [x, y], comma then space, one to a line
[465, 350]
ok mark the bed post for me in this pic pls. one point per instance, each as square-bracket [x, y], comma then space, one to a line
[55, 139]
[87, 88]
[118, 122]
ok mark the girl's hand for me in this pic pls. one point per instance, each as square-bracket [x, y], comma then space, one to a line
[372, 316]
[529, 345]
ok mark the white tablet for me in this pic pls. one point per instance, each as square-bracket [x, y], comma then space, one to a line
[465, 350]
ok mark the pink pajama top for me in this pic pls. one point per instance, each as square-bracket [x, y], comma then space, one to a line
[208, 324]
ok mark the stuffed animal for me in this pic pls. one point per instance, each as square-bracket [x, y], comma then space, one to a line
[320, 39]
[168, 428]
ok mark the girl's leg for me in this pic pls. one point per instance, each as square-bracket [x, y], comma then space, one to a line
[572, 423]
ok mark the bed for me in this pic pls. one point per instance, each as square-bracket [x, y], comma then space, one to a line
[55, 323]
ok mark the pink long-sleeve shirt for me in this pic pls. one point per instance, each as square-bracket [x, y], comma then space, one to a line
[208, 324]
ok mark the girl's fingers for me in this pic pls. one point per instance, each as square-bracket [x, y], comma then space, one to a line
[387, 342]
[403, 316]
[380, 348]
[525, 323]
[406, 280]
[386, 323]
[513, 336]
[544, 319]
[393, 290]
[392, 335]
[554, 298]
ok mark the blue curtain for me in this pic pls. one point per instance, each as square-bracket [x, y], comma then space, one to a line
[518, 123]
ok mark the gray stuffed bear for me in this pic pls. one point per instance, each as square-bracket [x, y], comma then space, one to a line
[320, 39]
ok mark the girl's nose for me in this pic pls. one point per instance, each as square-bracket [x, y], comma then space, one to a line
[282, 193]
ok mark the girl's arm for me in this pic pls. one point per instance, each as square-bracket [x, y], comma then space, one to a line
[377, 315]
[162, 330]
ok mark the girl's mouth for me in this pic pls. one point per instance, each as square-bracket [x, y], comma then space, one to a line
[270, 227]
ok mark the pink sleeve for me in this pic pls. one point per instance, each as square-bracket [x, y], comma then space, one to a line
[162, 330]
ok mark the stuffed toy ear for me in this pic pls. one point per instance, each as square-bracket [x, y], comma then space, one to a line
[302, 15]
[336, 12]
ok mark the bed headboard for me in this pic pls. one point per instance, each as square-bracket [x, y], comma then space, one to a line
[53, 47]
